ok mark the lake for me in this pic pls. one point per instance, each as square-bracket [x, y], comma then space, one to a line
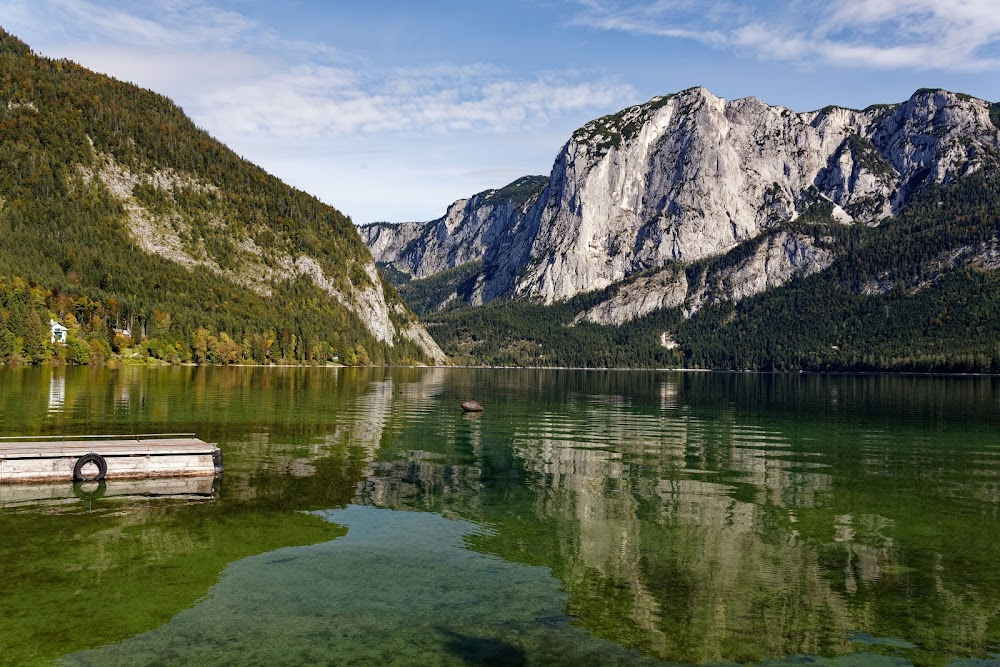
[585, 517]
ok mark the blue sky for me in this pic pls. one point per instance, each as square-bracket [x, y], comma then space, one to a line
[391, 110]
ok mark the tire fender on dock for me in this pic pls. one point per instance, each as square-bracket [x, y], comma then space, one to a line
[96, 459]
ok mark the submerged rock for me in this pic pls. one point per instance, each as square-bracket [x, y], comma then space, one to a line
[471, 406]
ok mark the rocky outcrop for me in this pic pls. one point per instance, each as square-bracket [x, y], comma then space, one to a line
[666, 289]
[690, 176]
[773, 262]
[416, 332]
[471, 230]
[169, 235]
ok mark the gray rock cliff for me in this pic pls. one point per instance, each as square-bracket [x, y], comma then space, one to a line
[688, 177]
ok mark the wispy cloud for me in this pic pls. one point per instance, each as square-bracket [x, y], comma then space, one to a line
[313, 100]
[152, 24]
[239, 77]
[954, 35]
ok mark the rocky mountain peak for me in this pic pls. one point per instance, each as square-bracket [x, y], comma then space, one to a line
[688, 176]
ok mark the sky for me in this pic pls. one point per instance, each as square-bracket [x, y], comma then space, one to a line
[390, 110]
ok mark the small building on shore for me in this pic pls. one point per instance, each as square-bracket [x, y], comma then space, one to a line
[58, 332]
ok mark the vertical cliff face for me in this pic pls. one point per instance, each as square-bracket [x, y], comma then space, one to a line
[690, 176]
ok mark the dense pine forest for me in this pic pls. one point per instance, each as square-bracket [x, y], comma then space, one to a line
[920, 292]
[67, 252]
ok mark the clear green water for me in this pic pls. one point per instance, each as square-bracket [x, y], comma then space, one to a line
[583, 518]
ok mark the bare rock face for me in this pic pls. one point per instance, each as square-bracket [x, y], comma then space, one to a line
[688, 177]
[387, 242]
[691, 176]
[471, 230]
[160, 234]
[778, 258]
[666, 289]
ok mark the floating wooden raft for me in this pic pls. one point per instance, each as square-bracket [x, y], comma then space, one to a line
[98, 457]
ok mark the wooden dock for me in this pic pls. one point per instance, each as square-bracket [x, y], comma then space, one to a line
[100, 457]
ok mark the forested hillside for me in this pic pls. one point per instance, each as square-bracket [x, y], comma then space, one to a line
[920, 292]
[117, 212]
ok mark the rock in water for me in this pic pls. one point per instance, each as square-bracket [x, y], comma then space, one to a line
[471, 406]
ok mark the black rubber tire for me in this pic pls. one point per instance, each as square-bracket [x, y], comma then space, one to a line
[102, 468]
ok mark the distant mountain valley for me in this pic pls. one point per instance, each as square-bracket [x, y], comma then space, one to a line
[689, 231]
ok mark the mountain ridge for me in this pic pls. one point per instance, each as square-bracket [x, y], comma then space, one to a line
[695, 232]
[689, 175]
[111, 197]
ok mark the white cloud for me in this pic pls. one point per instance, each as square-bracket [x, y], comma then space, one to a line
[237, 77]
[379, 143]
[311, 100]
[152, 25]
[681, 19]
[954, 35]
[156, 23]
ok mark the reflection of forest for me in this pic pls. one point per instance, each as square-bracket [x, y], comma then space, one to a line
[418, 474]
[698, 538]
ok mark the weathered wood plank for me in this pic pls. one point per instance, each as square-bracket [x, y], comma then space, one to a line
[105, 451]
[10, 450]
[39, 440]
[113, 448]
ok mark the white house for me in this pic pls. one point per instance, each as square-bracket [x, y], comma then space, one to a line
[58, 332]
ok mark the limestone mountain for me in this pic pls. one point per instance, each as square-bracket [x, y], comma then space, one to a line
[636, 196]
[120, 213]
[485, 230]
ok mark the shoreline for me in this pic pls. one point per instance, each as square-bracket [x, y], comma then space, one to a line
[119, 365]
